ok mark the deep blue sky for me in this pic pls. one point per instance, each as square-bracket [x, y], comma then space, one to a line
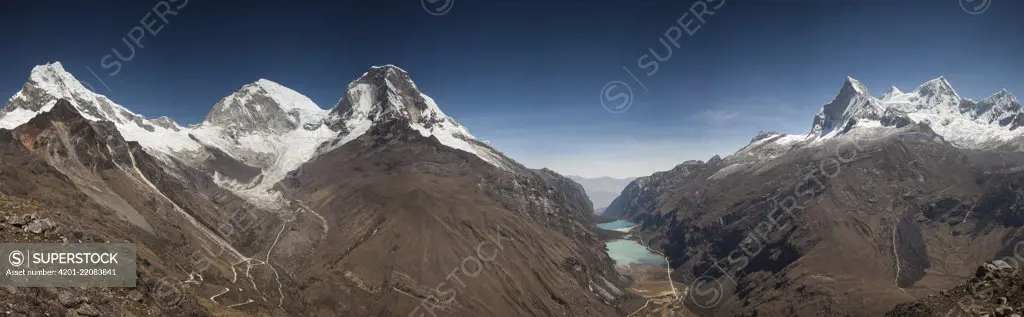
[528, 75]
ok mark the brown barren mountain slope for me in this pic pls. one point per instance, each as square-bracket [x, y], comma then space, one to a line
[400, 211]
[417, 228]
[391, 224]
[97, 187]
[852, 227]
[996, 289]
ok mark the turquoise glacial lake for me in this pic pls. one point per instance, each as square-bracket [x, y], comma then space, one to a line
[617, 224]
[629, 252]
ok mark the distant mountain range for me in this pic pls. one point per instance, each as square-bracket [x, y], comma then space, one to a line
[602, 190]
[992, 123]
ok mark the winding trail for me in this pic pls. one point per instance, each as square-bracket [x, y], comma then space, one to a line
[214, 297]
[240, 304]
[895, 251]
[323, 221]
[250, 262]
[968, 213]
[641, 308]
[668, 270]
[897, 256]
[668, 267]
[277, 277]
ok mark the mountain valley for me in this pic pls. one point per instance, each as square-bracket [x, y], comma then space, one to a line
[602, 190]
[383, 205]
[885, 200]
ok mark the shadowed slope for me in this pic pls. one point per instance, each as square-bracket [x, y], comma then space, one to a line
[406, 214]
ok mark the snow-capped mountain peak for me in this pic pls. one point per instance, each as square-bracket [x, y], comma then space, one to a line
[167, 123]
[853, 99]
[50, 82]
[265, 106]
[1003, 96]
[855, 86]
[291, 99]
[54, 79]
[966, 123]
[892, 93]
[263, 125]
[386, 93]
[937, 87]
[47, 83]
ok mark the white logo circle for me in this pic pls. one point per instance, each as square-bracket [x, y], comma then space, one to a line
[975, 6]
[16, 258]
[437, 10]
[167, 294]
[617, 103]
[716, 292]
